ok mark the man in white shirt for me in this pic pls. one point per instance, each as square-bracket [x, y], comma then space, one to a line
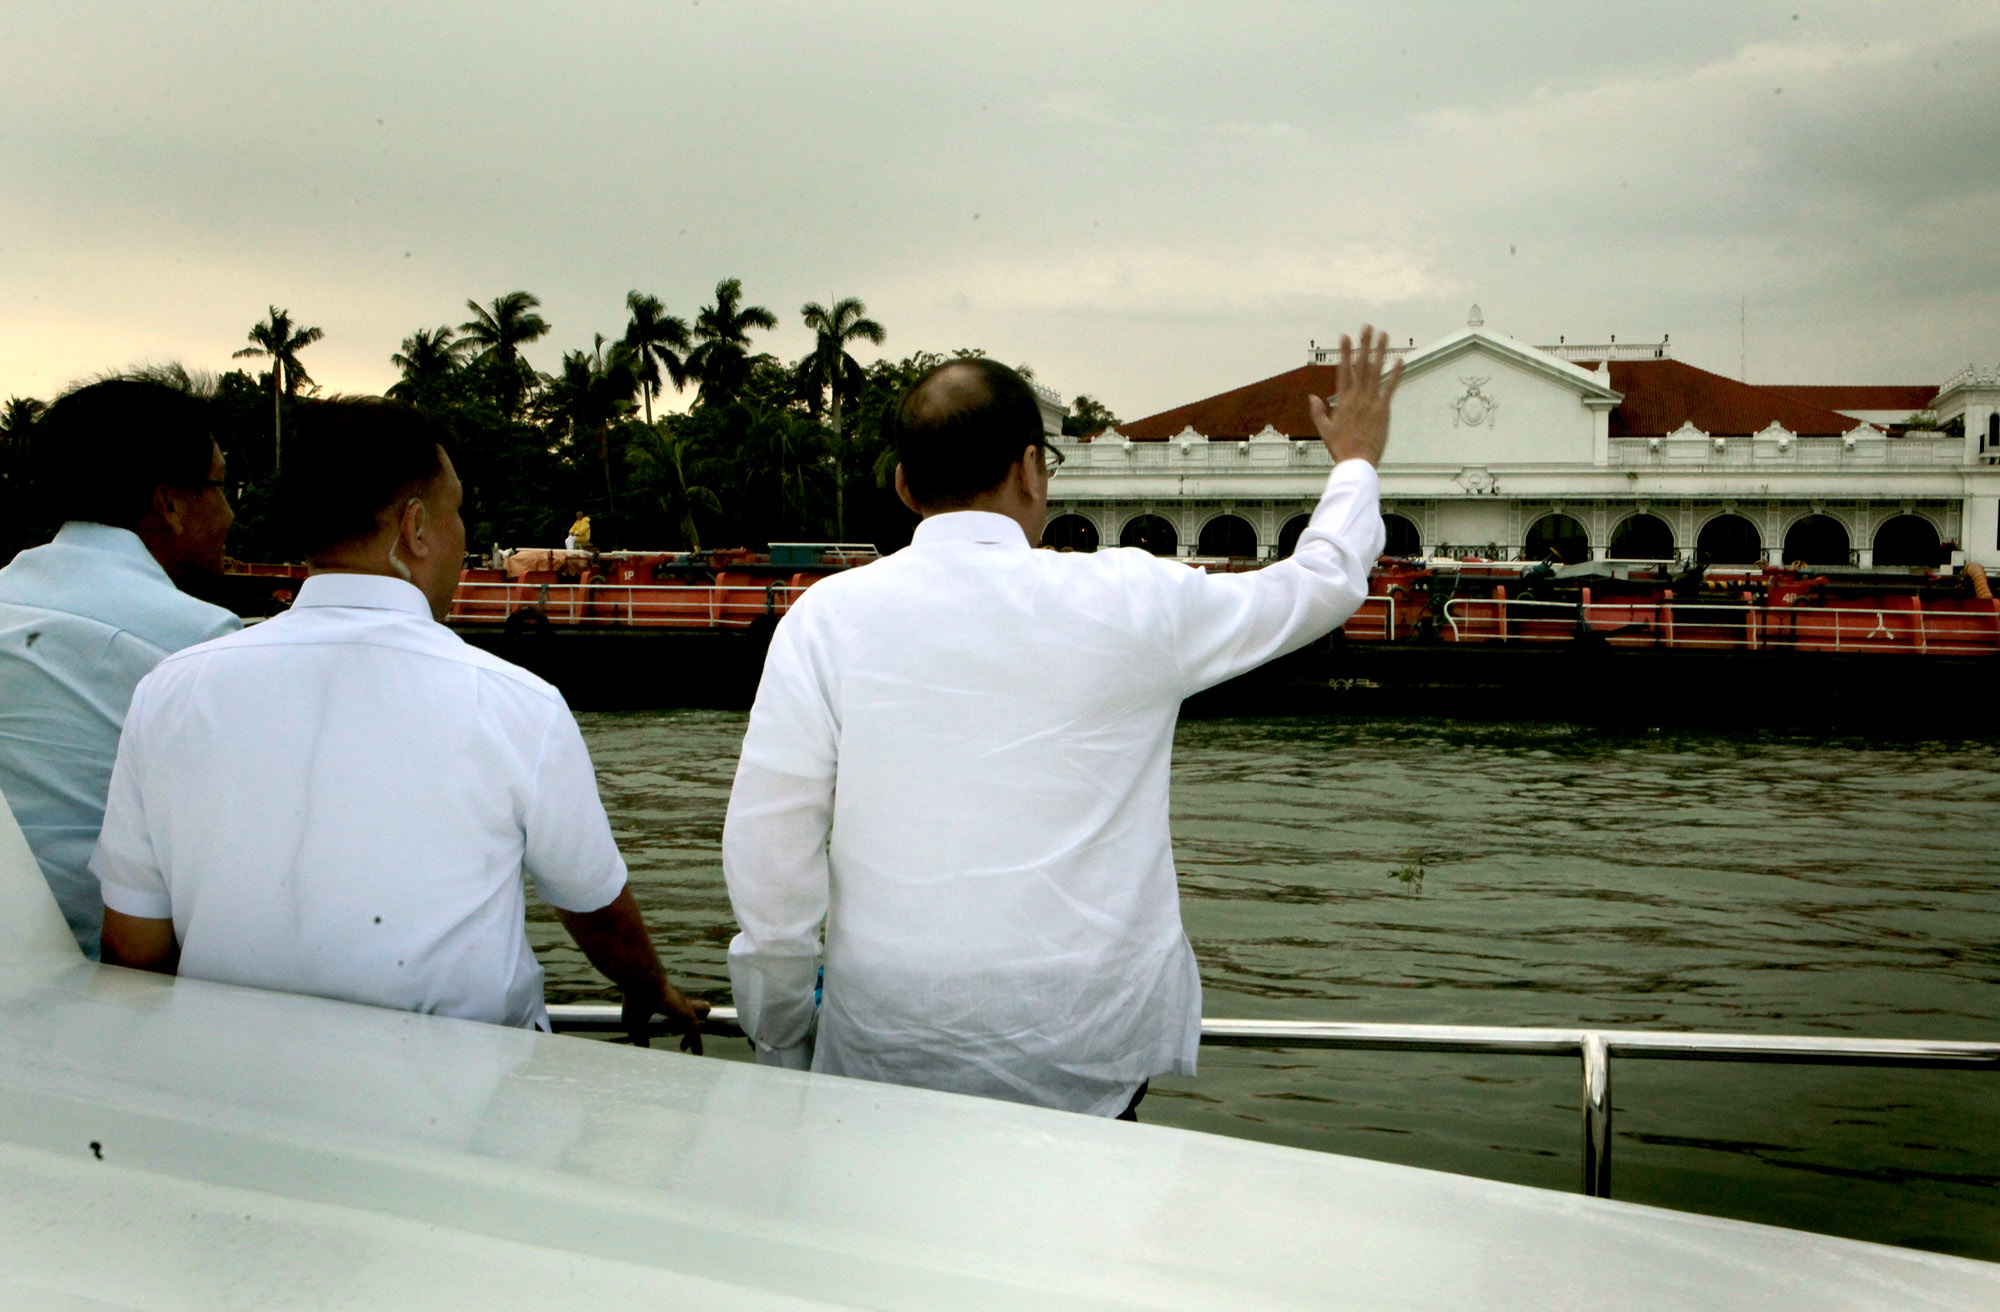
[342, 801]
[132, 471]
[958, 760]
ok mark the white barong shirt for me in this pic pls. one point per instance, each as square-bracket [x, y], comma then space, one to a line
[958, 760]
[82, 619]
[342, 800]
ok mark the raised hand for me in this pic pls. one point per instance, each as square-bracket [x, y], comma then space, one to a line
[1357, 427]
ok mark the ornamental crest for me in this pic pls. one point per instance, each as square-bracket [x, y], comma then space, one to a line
[1474, 408]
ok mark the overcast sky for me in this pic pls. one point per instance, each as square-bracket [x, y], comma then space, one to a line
[1147, 202]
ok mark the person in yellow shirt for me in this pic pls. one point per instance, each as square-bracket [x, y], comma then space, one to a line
[579, 534]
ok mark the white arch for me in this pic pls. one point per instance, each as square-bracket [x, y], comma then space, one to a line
[1809, 513]
[1930, 517]
[1611, 535]
[1251, 524]
[1720, 513]
[1088, 518]
[1415, 521]
[1172, 521]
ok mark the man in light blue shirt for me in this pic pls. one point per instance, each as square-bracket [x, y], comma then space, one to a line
[133, 470]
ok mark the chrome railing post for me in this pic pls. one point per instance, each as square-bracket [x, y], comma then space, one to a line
[1596, 1116]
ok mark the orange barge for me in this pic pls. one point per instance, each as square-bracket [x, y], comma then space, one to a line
[1455, 603]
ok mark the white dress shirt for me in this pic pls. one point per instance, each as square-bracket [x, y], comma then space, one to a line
[341, 801]
[82, 620]
[958, 759]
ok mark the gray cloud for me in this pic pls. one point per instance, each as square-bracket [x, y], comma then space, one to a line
[1148, 202]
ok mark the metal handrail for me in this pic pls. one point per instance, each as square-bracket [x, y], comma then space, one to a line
[704, 603]
[1388, 622]
[1593, 1047]
[1758, 625]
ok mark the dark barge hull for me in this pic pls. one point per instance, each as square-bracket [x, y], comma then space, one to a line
[1882, 693]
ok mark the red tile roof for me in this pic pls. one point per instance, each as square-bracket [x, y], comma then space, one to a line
[1905, 399]
[1660, 396]
[1279, 401]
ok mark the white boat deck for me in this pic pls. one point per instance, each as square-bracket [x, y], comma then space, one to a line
[183, 1144]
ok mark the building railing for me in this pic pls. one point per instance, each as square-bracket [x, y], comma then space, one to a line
[1594, 1048]
[1111, 453]
[1726, 626]
[1579, 352]
[624, 605]
[1760, 452]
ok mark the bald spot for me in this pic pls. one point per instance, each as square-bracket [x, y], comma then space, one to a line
[949, 392]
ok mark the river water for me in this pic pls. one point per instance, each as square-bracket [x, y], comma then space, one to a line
[1526, 874]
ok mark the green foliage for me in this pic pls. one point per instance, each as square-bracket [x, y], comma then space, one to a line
[771, 450]
[20, 520]
[1088, 417]
[720, 359]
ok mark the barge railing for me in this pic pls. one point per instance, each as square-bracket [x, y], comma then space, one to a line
[1593, 1047]
[1736, 625]
[625, 605]
[1710, 625]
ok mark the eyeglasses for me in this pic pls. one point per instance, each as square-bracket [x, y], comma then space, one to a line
[1052, 459]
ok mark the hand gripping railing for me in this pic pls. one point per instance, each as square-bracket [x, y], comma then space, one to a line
[1595, 1049]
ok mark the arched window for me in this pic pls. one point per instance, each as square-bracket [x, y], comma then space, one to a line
[1729, 540]
[1070, 533]
[1558, 538]
[1152, 533]
[1288, 536]
[1227, 535]
[1816, 540]
[1642, 537]
[1403, 539]
[1908, 540]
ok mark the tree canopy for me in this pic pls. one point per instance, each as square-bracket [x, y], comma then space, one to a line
[770, 450]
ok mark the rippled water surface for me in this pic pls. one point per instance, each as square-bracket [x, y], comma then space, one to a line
[1526, 875]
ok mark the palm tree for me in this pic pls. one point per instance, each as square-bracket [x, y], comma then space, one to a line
[830, 369]
[655, 339]
[18, 416]
[429, 357]
[279, 341]
[593, 392]
[497, 332]
[667, 464]
[721, 356]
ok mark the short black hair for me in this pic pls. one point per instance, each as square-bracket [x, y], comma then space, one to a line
[961, 427]
[101, 449]
[349, 458]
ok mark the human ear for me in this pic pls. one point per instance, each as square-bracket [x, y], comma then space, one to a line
[411, 530]
[903, 491]
[1032, 473]
[170, 508]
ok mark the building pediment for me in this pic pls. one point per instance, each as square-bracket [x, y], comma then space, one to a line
[1468, 351]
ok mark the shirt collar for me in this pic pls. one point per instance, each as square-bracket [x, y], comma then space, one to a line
[122, 542]
[366, 591]
[971, 526]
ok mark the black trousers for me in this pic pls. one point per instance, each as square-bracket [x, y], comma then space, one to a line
[1131, 1112]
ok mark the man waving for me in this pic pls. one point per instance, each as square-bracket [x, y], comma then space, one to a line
[958, 761]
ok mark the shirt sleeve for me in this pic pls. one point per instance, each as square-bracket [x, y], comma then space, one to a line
[1225, 624]
[225, 624]
[774, 846]
[125, 863]
[570, 852]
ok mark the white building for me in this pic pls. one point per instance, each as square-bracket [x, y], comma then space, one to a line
[1614, 451]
